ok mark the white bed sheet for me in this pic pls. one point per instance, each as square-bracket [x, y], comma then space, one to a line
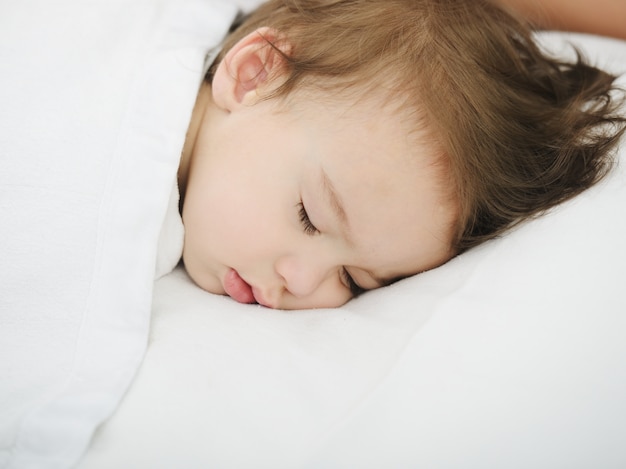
[512, 355]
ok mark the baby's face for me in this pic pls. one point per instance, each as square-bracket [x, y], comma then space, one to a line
[303, 205]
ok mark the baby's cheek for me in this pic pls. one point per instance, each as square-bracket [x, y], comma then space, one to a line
[200, 271]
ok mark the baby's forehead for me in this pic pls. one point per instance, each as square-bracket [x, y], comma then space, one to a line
[366, 106]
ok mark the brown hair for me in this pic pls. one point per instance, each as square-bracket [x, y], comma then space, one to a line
[520, 131]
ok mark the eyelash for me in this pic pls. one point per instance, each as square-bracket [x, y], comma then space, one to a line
[355, 289]
[310, 229]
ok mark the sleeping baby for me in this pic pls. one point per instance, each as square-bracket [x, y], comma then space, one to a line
[338, 146]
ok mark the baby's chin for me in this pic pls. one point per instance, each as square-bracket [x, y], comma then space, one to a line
[203, 278]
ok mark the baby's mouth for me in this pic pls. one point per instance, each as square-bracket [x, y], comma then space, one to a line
[237, 288]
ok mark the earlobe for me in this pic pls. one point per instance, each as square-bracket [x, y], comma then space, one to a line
[249, 68]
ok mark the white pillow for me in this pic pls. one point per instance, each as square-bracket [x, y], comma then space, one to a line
[96, 99]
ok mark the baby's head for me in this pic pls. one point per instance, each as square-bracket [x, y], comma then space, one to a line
[342, 145]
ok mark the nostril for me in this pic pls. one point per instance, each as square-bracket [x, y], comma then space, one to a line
[302, 275]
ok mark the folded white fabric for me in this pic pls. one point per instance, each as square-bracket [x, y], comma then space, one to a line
[96, 99]
[171, 237]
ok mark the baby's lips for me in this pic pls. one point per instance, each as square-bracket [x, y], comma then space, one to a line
[237, 288]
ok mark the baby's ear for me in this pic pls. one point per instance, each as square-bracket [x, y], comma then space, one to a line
[252, 66]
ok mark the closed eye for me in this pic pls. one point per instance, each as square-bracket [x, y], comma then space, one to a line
[355, 289]
[308, 227]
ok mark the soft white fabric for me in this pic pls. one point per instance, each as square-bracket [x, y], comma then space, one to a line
[96, 99]
[172, 234]
[171, 237]
[510, 356]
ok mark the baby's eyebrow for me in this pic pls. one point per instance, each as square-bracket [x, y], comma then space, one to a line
[337, 206]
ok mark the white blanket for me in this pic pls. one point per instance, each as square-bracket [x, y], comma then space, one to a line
[96, 99]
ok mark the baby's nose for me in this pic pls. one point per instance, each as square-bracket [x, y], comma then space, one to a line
[303, 276]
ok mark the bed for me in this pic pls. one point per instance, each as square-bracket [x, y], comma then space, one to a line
[510, 355]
